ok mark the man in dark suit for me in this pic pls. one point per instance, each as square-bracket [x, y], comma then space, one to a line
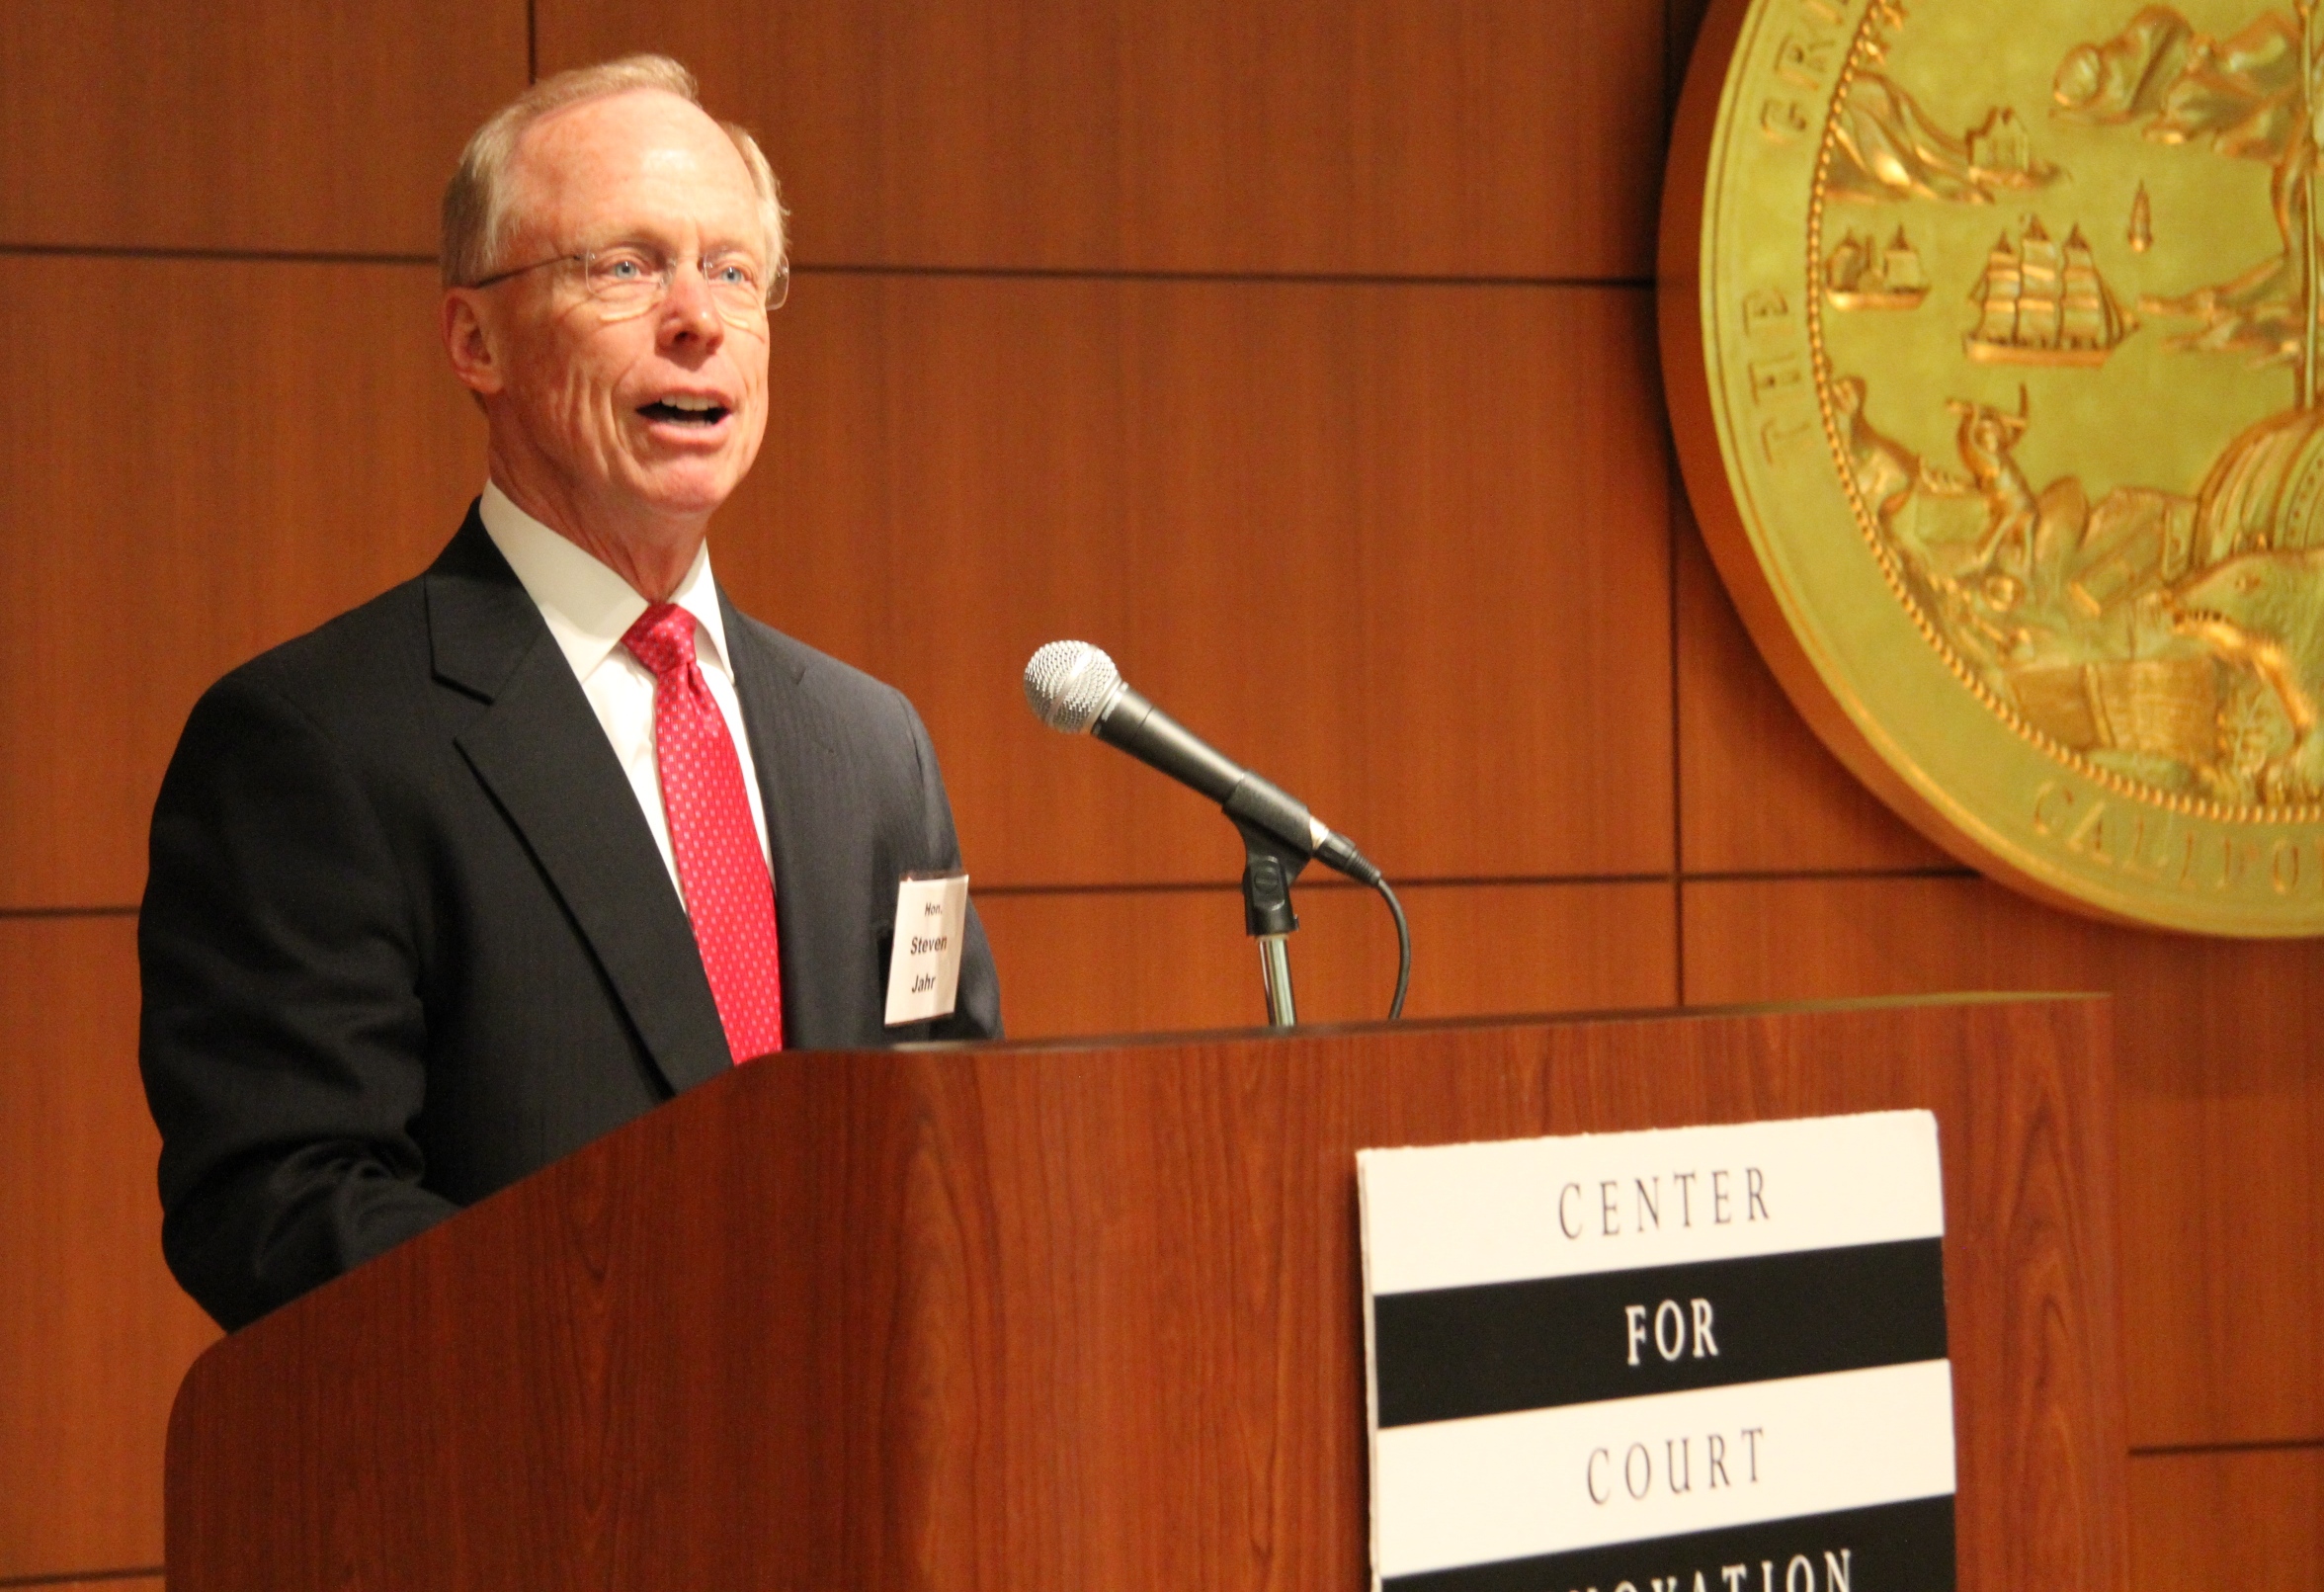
[511, 854]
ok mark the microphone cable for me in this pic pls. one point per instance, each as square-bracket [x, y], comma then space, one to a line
[1404, 947]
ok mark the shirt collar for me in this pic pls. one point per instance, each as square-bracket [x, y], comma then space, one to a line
[589, 608]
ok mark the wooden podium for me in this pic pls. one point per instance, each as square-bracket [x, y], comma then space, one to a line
[1078, 1315]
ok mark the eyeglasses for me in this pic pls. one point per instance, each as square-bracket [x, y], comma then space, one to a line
[630, 281]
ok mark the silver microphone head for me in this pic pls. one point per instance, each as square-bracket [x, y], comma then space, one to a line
[1068, 684]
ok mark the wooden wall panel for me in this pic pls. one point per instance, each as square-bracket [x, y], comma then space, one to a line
[1429, 137]
[1685, 21]
[2221, 1104]
[1757, 790]
[221, 456]
[1151, 961]
[2250, 1519]
[275, 124]
[1401, 547]
[94, 1334]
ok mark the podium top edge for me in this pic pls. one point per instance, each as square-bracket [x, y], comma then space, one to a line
[1510, 1020]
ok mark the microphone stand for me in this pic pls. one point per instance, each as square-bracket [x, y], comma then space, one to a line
[1269, 867]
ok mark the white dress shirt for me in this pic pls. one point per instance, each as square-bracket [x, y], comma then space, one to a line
[589, 609]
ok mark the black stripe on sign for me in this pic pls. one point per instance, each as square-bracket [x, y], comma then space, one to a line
[1887, 1547]
[1449, 1353]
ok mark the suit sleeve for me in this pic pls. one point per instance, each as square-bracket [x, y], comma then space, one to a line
[282, 1041]
[976, 1011]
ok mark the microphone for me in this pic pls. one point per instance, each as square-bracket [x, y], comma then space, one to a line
[1072, 687]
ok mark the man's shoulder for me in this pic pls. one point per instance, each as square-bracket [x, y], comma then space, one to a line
[351, 695]
[374, 661]
[374, 647]
[816, 671]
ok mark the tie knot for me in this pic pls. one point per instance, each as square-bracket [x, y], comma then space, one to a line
[662, 639]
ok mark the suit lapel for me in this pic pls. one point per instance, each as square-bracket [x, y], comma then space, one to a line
[801, 781]
[541, 753]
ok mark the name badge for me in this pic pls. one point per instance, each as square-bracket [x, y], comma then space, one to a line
[931, 921]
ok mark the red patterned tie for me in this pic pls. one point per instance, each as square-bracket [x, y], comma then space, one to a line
[720, 869]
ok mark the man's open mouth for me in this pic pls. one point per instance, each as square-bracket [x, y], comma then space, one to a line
[684, 411]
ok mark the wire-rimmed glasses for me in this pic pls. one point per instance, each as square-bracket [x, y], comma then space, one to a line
[629, 280]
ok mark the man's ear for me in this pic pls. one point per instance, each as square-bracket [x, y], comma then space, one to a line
[469, 340]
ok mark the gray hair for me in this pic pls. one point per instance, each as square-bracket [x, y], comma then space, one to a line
[476, 199]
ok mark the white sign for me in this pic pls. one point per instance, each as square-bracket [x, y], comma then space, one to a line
[924, 971]
[1702, 1359]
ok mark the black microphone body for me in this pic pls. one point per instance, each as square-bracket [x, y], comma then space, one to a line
[1137, 726]
[1147, 733]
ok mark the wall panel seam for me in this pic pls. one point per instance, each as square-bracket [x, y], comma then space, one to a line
[1806, 875]
[1425, 881]
[132, 251]
[1230, 888]
[804, 268]
[1323, 279]
[20, 913]
[2264, 1445]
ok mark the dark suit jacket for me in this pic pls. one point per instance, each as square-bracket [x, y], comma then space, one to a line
[407, 937]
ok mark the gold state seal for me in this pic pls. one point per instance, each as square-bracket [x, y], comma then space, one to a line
[1991, 337]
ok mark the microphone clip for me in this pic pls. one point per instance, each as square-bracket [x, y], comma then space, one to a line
[1270, 865]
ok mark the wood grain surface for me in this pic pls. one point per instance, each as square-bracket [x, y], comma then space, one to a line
[244, 125]
[2222, 1111]
[2252, 1519]
[1073, 1318]
[1424, 138]
[1101, 962]
[93, 1333]
[223, 454]
[1404, 549]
